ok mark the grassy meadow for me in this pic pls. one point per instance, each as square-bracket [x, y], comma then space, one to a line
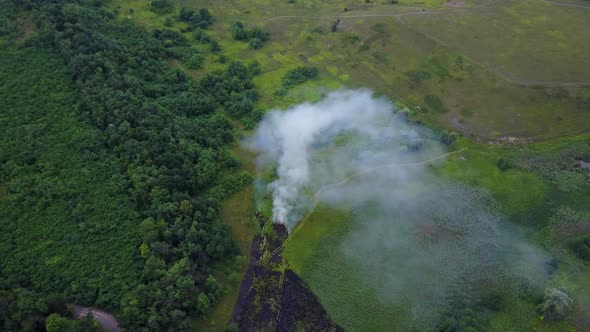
[454, 71]
[528, 198]
[489, 70]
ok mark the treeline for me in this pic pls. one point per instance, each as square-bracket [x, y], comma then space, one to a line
[171, 139]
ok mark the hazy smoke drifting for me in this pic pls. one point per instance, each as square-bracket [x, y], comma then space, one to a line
[365, 133]
[415, 235]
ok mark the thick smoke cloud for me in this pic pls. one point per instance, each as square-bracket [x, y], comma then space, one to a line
[313, 145]
[415, 235]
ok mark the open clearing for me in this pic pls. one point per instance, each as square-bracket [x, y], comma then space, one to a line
[497, 69]
[315, 249]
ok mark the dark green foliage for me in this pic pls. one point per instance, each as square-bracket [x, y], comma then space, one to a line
[504, 164]
[239, 32]
[256, 36]
[350, 39]
[195, 61]
[68, 226]
[299, 75]
[581, 247]
[201, 19]
[168, 22]
[8, 18]
[460, 316]
[175, 44]
[201, 37]
[23, 310]
[447, 137]
[57, 323]
[214, 46]
[161, 6]
[235, 90]
[258, 33]
[167, 139]
[417, 76]
[255, 43]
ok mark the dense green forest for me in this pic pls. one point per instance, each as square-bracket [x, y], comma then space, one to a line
[59, 186]
[113, 166]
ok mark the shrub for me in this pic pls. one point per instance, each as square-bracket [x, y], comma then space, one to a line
[299, 75]
[447, 137]
[418, 76]
[202, 19]
[256, 36]
[161, 6]
[195, 61]
[255, 43]
[504, 164]
[582, 248]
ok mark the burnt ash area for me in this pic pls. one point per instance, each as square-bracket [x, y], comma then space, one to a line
[272, 297]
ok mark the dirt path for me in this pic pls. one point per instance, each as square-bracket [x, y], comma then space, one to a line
[106, 320]
[397, 14]
[568, 4]
[400, 15]
[316, 195]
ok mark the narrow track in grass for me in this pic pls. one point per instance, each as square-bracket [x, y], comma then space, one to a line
[567, 4]
[316, 195]
[415, 12]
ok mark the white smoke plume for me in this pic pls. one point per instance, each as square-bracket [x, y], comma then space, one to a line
[414, 236]
[294, 137]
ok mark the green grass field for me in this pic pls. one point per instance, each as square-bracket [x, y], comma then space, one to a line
[313, 253]
[529, 199]
[517, 39]
[450, 54]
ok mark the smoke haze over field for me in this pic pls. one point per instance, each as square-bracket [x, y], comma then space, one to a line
[414, 236]
[317, 144]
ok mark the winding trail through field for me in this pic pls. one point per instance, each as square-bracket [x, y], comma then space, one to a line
[397, 14]
[316, 195]
[567, 4]
[417, 11]
[400, 15]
